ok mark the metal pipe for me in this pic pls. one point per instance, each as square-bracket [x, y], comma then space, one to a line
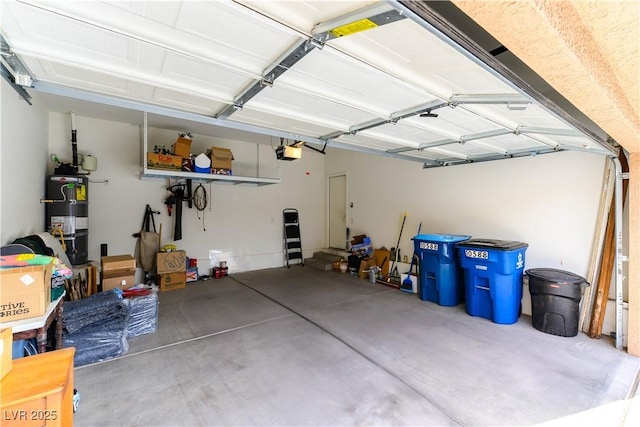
[618, 253]
[74, 141]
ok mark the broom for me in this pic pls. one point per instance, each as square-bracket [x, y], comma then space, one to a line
[407, 283]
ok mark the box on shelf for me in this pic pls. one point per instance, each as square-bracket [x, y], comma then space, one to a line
[221, 158]
[218, 171]
[171, 281]
[182, 147]
[164, 161]
[118, 262]
[171, 262]
[120, 279]
[24, 292]
[6, 356]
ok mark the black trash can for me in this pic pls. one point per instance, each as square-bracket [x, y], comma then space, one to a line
[555, 300]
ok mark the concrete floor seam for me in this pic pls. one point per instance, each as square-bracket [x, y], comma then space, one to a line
[354, 349]
[186, 341]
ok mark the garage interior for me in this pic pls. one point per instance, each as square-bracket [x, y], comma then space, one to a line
[413, 107]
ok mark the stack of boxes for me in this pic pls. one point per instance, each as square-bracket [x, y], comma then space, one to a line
[118, 271]
[171, 270]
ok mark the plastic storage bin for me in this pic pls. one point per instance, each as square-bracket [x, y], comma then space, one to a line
[440, 276]
[555, 300]
[493, 278]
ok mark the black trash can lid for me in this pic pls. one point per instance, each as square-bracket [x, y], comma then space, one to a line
[560, 277]
[502, 245]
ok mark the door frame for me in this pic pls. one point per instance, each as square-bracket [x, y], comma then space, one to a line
[327, 208]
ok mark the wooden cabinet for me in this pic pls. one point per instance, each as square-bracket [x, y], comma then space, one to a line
[39, 391]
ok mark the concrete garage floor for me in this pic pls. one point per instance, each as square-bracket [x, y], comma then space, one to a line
[306, 347]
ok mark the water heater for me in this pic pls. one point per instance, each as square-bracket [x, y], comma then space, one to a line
[67, 214]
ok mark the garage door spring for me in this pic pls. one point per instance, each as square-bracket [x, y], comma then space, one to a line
[200, 202]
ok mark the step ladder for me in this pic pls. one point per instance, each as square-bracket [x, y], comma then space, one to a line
[292, 242]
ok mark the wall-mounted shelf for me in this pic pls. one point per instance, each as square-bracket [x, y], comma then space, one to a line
[175, 174]
[218, 179]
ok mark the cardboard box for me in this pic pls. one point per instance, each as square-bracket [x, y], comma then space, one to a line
[361, 245]
[24, 292]
[164, 161]
[118, 262]
[6, 351]
[120, 279]
[383, 258]
[182, 147]
[171, 262]
[220, 158]
[172, 281]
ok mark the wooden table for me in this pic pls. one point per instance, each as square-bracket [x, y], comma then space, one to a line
[36, 327]
[38, 391]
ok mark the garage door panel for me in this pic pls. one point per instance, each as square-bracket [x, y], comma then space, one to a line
[278, 121]
[302, 14]
[349, 81]
[412, 136]
[308, 107]
[406, 50]
[520, 115]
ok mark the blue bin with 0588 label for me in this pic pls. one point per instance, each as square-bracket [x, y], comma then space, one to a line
[440, 278]
[493, 278]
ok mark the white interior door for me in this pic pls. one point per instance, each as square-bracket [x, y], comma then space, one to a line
[338, 212]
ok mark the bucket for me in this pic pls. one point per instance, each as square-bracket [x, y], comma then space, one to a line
[373, 273]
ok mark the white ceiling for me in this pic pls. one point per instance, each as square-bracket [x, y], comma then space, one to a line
[362, 90]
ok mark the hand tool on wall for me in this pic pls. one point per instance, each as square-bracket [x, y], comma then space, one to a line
[147, 221]
[189, 194]
[178, 194]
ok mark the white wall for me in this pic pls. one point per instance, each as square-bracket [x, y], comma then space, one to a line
[244, 223]
[549, 202]
[23, 155]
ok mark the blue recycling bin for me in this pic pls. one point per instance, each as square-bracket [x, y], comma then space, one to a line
[440, 278]
[493, 278]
